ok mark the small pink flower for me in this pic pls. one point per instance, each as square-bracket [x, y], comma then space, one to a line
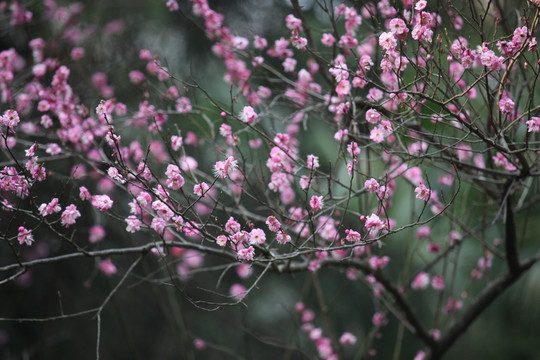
[223, 169]
[304, 182]
[437, 282]
[433, 247]
[423, 232]
[377, 263]
[421, 281]
[353, 149]
[533, 125]
[377, 135]
[107, 267]
[97, 233]
[312, 162]
[183, 105]
[282, 237]
[373, 116]
[50, 208]
[293, 23]
[371, 185]
[316, 203]
[10, 118]
[163, 210]
[273, 223]
[379, 319]
[221, 240]
[232, 226]
[327, 39]
[374, 224]
[70, 215]
[199, 344]
[420, 5]
[53, 149]
[248, 115]
[257, 236]
[387, 41]
[201, 189]
[341, 135]
[420, 355]
[176, 142]
[422, 192]
[347, 339]
[343, 88]
[289, 64]
[158, 224]
[102, 202]
[238, 291]
[174, 180]
[84, 194]
[25, 236]
[506, 105]
[352, 236]
[246, 254]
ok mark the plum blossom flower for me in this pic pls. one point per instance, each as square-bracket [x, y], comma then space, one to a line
[176, 142]
[423, 232]
[373, 116]
[420, 5]
[377, 263]
[25, 236]
[10, 118]
[289, 64]
[221, 240]
[312, 162]
[273, 223]
[246, 254]
[238, 291]
[398, 27]
[352, 236]
[50, 208]
[437, 282]
[506, 105]
[293, 23]
[316, 203]
[107, 267]
[374, 224]
[371, 185]
[420, 282]
[53, 149]
[353, 149]
[70, 215]
[387, 41]
[232, 226]
[248, 115]
[222, 169]
[183, 105]
[347, 339]
[377, 134]
[102, 202]
[162, 210]
[343, 88]
[422, 192]
[201, 189]
[282, 237]
[84, 194]
[327, 39]
[174, 180]
[96, 234]
[257, 236]
[533, 125]
[158, 224]
[379, 319]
